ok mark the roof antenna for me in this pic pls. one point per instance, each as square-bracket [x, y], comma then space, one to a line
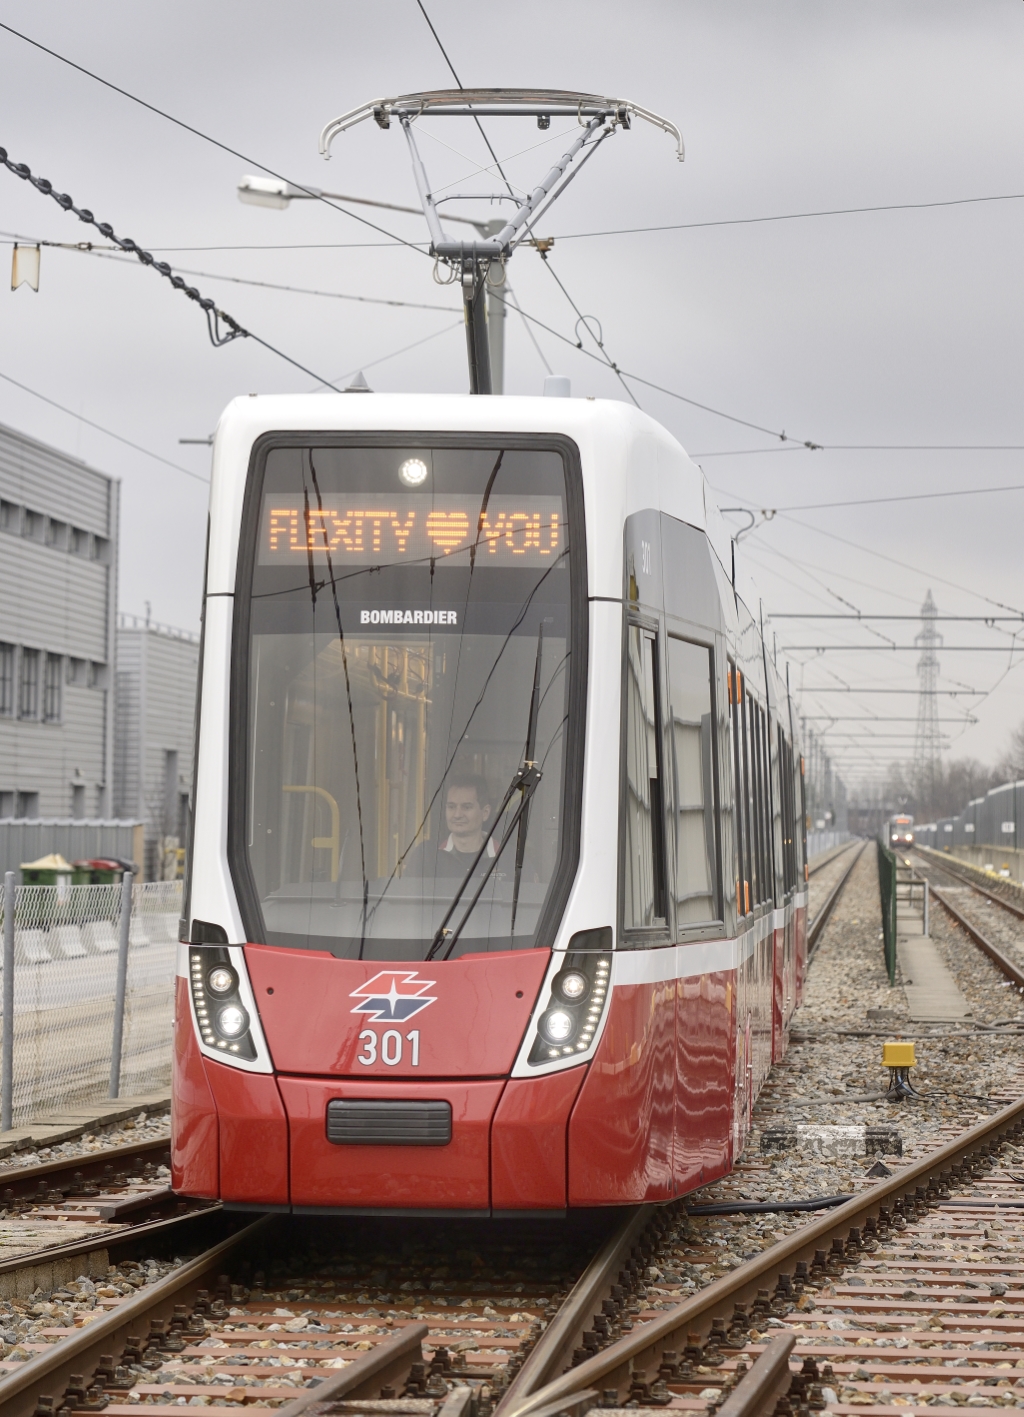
[479, 265]
[358, 384]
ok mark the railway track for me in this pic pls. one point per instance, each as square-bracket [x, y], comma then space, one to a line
[816, 926]
[910, 1294]
[96, 1197]
[1008, 967]
[833, 855]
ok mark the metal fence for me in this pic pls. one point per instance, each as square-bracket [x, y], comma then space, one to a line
[887, 890]
[65, 993]
[820, 842]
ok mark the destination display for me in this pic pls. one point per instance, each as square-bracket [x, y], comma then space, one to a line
[407, 527]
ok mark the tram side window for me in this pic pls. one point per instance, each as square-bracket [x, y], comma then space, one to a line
[690, 680]
[644, 894]
[740, 816]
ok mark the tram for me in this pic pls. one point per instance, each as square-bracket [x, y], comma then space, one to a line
[496, 895]
[899, 831]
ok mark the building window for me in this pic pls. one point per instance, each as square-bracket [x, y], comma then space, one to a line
[33, 524]
[79, 543]
[27, 804]
[76, 671]
[51, 688]
[57, 534]
[6, 680]
[28, 689]
[10, 516]
[6, 804]
[78, 801]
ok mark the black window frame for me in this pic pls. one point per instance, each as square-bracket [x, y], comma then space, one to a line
[642, 936]
[246, 893]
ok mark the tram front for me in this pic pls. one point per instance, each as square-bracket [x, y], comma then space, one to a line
[401, 802]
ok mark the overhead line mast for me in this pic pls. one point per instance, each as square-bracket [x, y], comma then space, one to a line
[471, 262]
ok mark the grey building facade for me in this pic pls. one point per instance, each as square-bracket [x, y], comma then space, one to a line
[58, 599]
[156, 678]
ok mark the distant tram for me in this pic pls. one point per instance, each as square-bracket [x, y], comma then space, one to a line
[496, 900]
[899, 831]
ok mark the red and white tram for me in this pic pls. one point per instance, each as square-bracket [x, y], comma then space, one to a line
[496, 900]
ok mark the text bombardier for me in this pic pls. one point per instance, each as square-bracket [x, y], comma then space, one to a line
[408, 617]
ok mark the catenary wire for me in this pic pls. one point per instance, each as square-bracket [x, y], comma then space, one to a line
[213, 315]
[85, 250]
[108, 432]
[795, 216]
[206, 137]
[455, 76]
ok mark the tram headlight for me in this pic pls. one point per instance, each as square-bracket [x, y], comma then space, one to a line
[568, 1026]
[232, 1021]
[221, 1017]
[221, 980]
[558, 1025]
[573, 985]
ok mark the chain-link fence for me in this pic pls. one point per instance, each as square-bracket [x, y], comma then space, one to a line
[65, 990]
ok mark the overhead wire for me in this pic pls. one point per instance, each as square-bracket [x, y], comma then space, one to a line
[108, 432]
[794, 216]
[206, 137]
[455, 76]
[213, 315]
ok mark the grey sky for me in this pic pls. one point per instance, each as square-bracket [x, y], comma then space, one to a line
[884, 328]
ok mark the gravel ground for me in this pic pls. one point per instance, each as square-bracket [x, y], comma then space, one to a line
[24, 1322]
[144, 1127]
[834, 1060]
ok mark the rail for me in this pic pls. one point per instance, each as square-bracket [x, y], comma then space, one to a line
[817, 925]
[640, 1352]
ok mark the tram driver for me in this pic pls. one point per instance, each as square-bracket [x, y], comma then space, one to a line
[467, 810]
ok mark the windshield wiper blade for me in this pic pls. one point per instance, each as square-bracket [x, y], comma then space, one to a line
[528, 758]
[525, 780]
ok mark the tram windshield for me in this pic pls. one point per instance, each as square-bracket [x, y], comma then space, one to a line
[409, 652]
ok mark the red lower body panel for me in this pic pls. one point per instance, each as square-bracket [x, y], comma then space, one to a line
[452, 1177]
[194, 1169]
[253, 1136]
[621, 1130]
[705, 1048]
[528, 1142]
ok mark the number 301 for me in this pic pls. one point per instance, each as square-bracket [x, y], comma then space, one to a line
[389, 1047]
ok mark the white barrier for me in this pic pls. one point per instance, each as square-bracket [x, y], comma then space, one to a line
[64, 986]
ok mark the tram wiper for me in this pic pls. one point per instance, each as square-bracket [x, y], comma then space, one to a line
[525, 781]
[528, 757]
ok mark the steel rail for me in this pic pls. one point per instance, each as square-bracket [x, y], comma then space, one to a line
[122, 1243]
[364, 1377]
[89, 1163]
[961, 874]
[641, 1349]
[81, 1352]
[833, 855]
[817, 925]
[768, 1380]
[553, 1350]
[1002, 962]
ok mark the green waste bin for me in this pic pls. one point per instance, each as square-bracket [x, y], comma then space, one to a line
[50, 870]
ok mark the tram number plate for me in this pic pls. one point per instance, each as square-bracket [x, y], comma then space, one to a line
[388, 1047]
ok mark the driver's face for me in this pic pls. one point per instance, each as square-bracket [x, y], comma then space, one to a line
[463, 812]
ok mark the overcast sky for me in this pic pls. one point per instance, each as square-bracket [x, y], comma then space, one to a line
[889, 327]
